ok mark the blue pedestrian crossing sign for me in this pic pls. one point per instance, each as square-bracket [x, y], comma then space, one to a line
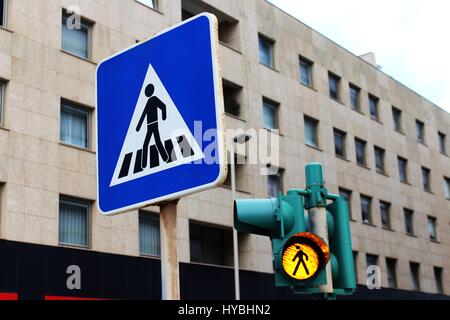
[160, 118]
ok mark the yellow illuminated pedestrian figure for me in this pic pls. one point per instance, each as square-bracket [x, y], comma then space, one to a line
[151, 113]
[300, 256]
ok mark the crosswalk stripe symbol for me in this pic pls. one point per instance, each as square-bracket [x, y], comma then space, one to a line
[158, 137]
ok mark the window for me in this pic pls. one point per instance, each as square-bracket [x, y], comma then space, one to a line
[210, 245]
[355, 262]
[409, 221]
[432, 228]
[415, 276]
[74, 125]
[74, 218]
[306, 72]
[347, 195]
[339, 143]
[333, 83]
[442, 143]
[438, 279]
[239, 174]
[3, 13]
[232, 97]
[366, 209]
[311, 138]
[379, 160]
[360, 147]
[373, 106]
[354, 97]
[403, 169]
[420, 131]
[371, 260]
[397, 119]
[275, 184]
[385, 211]
[447, 187]
[2, 99]
[270, 114]
[149, 3]
[266, 49]
[391, 266]
[426, 173]
[76, 38]
[149, 236]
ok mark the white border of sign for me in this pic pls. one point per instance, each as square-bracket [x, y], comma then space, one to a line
[220, 119]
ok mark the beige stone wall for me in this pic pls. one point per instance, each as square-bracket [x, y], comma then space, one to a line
[35, 168]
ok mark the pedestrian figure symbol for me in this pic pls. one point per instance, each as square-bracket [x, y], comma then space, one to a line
[151, 113]
[158, 137]
[300, 256]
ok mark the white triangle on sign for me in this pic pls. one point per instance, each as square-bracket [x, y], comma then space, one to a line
[175, 137]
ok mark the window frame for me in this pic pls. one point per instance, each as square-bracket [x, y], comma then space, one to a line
[387, 207]
[2, 102]
[279, 175]
[349, 198]
[80, 203]
[374, 257]
[426, 179]
[370, 213]
[4, 17]
[432, 233]
[442, 140]
[82, 109]
[447, 188]
[396, 112]
[420, 132]
[374, 99]
[404, 161]
[415, 267]
[155, 4]
[343, 136]
[315, 122]
[86, 23]
[409, 213]
[382, 152]
[364, 153]
[309, 64]
[335, 77]
[356, 89]
[271, 42]
[274, 106]
[439, 279]
[145, 215]
[391, 273]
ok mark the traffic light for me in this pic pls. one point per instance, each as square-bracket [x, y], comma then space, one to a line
[310, 233]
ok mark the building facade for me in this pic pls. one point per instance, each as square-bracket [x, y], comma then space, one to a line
[382, 145]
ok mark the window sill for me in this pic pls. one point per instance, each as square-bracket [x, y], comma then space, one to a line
[363, 166]
[313, 147]
[400, 132]
[78, 57]
[4, 129]
[76, 147]
[429, 192]
[275, 131]
[411, 235]
[309, 87]
[269, 67]
[388, 229]
[230, 47]
[422, 143]
[359, 111]
[237, 189]
[435, 241]
[369, 224]
[153, 9]
[74, 246]
[406, 183]
[353, 220]
[342, 158]
[210, 265]
[235, 117]
[150, 257]
[383, 174]
[337, 100]
[376, 120]
[6, 29]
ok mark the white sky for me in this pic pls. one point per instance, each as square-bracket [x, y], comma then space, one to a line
[411, 38]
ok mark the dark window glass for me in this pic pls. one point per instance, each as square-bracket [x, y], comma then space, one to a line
[306, 72]
[211, 245]
[266, 51]
[426, 173]
[397, 119]
[403, 169]
[379, 160]
[354, 97]
[366, 209]
[409, 221]
[420, 131]
[432, 228]
[149, 235]
[73, 222]
[373, 105]
[231, 97]
[274, 184]
[442, 143]
[371, 260]
[333, 82]
[360, 147]
[270, 115]
[75, 38]
[2, 13]
[447, 187]
[438, 279]
[347, 195]
[311, 138]
[391, 266]
[74, 124]
[339, 143]
[415, 275]
[385, 211]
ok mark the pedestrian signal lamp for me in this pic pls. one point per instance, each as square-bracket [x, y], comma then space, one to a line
[310, 233]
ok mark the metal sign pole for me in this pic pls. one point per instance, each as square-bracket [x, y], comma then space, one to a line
[170, 270]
